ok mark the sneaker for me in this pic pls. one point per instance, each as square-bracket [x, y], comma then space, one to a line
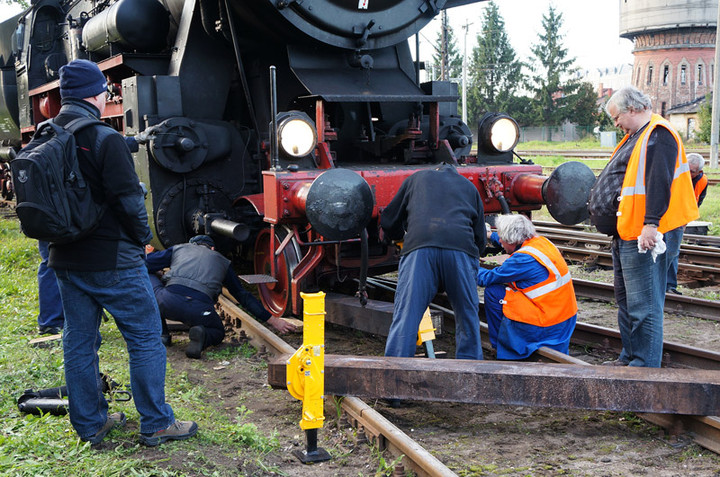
[674, 291]
[116, 419]
[177, 431]
[49, 330]
[617, 362]
[197, 342]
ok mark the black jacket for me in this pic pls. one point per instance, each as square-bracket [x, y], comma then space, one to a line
[107, 165]
[438, 208]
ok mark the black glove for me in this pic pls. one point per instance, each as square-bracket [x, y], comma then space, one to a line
[146, 135]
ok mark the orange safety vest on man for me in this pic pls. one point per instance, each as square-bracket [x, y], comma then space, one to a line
[549, 302]
[631, 211]
[700, 187]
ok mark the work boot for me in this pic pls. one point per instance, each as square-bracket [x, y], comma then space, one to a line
[177, 431]
[116, 419]
[49, 330]
[197, 342]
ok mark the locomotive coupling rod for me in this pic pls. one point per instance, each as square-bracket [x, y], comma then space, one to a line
[634, 389]
[305, 376]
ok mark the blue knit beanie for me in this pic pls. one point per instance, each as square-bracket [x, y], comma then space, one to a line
[81, 79]
[203, 240]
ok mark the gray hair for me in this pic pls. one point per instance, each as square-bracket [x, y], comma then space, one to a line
[695, 159]
[514, 229]
[629, 98]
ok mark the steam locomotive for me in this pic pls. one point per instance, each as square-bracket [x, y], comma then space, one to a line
[280, 127]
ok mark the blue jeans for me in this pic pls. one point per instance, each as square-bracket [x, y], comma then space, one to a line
[421, 273]
[673, 239]
[51, 310]
[191, 311]
[640, 295]
[127, 295]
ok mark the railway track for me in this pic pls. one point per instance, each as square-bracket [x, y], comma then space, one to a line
[704, 430]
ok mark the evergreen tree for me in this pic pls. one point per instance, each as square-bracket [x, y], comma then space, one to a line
[705, 119]
[551, 80]
[494, 69]
[454, 57]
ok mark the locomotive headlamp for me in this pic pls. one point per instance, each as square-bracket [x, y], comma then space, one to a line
[498, 133]
[296, 134]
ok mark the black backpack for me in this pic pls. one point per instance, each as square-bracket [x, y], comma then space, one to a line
[54, 202]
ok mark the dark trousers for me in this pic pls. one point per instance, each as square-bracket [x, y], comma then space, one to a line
[191, 311]
[51, 309]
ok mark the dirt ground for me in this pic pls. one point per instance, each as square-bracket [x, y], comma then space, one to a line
[472, 440]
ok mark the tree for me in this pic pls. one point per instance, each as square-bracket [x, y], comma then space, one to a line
[551, 81]
[583, 108]
[454, 58]
[494, 68]
[705, 119]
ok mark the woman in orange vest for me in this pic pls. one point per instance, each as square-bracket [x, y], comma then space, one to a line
[529, 299]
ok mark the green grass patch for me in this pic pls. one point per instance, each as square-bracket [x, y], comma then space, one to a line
[48, 445]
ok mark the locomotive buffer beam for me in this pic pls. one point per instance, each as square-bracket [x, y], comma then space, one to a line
[656, 390]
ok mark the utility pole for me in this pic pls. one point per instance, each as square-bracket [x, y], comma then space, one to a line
[714, 129]
[444, 74]
[464, 74]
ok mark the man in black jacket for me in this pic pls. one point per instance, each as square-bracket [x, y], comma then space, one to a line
[106, 269]
[189, 290]
[439, 215]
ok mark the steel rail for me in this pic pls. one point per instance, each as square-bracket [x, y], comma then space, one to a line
[381, 431]
[704, 430]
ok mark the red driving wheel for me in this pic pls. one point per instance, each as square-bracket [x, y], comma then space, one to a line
[276, 296]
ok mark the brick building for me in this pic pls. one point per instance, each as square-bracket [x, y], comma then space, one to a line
[674, 49]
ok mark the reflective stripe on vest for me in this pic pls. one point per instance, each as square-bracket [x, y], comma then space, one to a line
[555, 284]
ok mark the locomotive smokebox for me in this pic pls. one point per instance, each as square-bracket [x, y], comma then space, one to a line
[339, 204]
[140, 25]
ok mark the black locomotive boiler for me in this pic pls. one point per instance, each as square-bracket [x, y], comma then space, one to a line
[280, 127]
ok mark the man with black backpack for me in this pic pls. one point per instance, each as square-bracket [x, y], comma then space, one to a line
[105, 268]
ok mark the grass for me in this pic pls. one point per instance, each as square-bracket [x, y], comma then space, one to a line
[48, 445]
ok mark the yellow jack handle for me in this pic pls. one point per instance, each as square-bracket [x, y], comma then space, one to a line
[426, 332]
[306, 368]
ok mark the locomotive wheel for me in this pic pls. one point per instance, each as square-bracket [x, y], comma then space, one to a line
[276, 296]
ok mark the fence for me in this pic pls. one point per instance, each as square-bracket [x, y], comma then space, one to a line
[563, 133]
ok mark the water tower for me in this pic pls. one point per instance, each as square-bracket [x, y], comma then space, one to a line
[674, 48]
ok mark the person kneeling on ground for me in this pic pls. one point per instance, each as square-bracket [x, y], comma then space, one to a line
[189, 290]
[529, 299]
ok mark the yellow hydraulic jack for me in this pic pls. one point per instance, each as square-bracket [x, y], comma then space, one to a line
[426, 333]
[306, 376]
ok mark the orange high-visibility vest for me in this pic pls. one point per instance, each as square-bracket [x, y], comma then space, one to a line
[700, 187]
[631, 211]
[549, 302]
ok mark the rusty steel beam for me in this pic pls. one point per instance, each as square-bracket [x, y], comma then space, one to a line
[678, 391]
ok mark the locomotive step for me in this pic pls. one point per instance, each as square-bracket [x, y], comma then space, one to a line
[256, 279]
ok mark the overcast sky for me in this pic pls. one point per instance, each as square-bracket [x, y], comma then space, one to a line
[590, 28]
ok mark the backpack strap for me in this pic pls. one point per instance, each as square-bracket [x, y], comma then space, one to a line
[81, 123]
